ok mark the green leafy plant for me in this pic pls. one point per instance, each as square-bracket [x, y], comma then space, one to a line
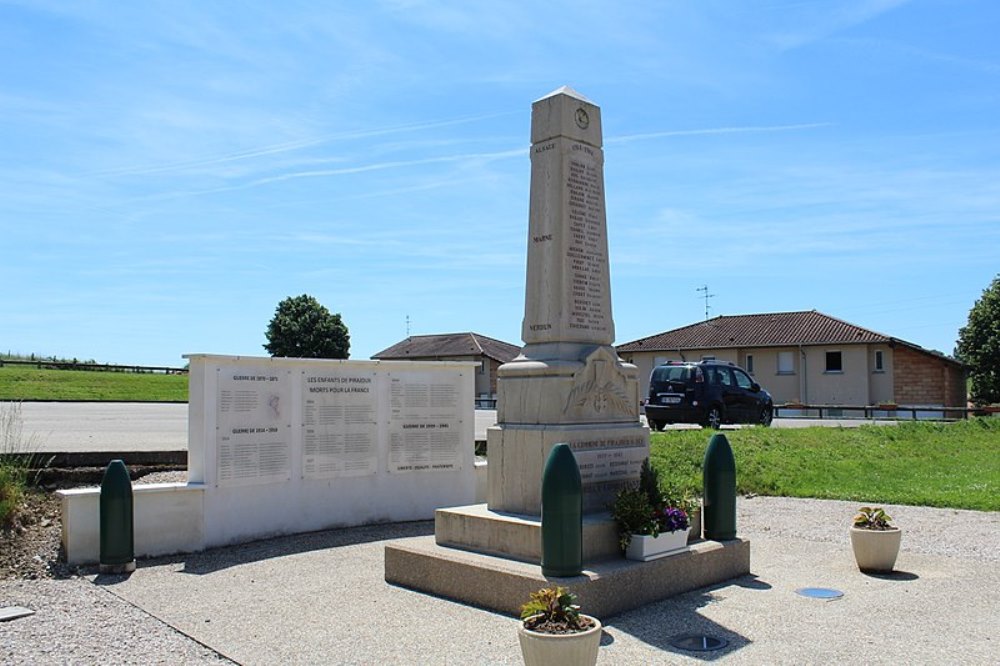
[869, 518]
[646, 509]
[634, 515]
[979, 346]
[303, 328]
[674, 495]
[11, 490]
[15, 461]
[553, 610]
[649, 482]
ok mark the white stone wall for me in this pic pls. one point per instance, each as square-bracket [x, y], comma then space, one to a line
[256, 463]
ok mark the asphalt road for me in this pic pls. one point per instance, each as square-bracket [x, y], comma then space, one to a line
[86, 427]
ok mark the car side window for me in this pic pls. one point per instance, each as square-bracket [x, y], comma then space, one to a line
[723, 377]
[743, 380]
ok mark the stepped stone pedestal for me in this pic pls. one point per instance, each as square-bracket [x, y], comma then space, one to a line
[567, 386]
[604, 589]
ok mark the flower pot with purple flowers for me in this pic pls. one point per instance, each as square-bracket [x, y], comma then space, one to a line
[651, 524]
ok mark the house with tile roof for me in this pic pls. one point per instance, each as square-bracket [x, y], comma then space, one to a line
[811, 358]
[488, 352]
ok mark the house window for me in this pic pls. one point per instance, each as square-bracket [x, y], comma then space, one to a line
[879, 363]
[834, 361]
[749, 363]
[786, 363]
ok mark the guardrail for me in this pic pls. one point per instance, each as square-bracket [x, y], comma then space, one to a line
[885, 412]
[42, 364]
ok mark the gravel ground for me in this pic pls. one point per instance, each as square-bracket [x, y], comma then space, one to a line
[78, 621]
[30, 547]
[926, 530]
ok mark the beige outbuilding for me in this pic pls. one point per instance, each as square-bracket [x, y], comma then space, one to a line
[811, 358]
[489, 352]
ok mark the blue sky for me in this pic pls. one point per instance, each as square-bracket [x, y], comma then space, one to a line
[170, 171]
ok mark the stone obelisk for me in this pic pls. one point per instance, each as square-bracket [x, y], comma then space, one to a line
[568, 384]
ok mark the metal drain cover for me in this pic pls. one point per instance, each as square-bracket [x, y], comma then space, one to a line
[826, 593]
[14, 612]
[698, 643]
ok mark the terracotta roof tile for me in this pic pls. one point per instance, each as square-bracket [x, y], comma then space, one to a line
[759, 330]
[449, 344]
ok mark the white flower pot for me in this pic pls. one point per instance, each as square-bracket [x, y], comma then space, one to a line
[875, 550]
[644, 548]
[579, 649]
[694, 531]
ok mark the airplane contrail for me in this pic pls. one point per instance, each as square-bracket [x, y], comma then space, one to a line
[296, 145]
[716, 130]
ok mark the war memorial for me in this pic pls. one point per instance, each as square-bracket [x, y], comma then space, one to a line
[567, 386]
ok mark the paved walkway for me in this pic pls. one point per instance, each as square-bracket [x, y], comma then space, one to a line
[321, 598]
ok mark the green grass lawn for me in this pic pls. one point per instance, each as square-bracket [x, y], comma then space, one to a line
[18, 382]
[954, 465]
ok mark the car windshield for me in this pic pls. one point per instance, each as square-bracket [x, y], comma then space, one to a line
[671, 373]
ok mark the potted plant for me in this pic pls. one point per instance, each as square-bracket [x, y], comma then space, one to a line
[650, 524]
[553, 631]
[673, 495]
[875, 540]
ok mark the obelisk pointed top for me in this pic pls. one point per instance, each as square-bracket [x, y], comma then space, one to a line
[565, 90]
[565, 112]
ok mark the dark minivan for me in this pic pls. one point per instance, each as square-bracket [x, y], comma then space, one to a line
[707, 392]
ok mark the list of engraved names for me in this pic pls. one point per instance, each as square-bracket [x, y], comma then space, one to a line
[252, 426]
[586, 247]
[425, 431]
[340, 432]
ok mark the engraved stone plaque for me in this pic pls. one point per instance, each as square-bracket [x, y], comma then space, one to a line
[253, 426]
[339, 429]
[425, 422]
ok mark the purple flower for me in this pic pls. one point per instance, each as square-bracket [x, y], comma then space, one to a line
[672, 519]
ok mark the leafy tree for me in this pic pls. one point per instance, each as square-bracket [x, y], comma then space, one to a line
[979, 345]
[303, 328]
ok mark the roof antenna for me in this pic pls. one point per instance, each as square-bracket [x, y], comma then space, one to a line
[407, 325]
[707, 296]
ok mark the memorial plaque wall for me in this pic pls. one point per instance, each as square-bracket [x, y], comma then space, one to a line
[253, 426]
[425, 422]
[340, 431]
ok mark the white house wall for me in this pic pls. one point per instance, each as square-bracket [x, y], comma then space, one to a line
[848, 387]
[881, 383]
[858, 384]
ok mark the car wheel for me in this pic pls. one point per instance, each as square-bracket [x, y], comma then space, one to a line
[766, 416]
[713, 419]
[655, 425]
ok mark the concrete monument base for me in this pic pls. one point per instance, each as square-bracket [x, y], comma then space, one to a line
[609, 456]
[604, 589]
[476, 528]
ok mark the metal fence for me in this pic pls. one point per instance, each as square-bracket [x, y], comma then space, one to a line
[43, 364]
[875, 412]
